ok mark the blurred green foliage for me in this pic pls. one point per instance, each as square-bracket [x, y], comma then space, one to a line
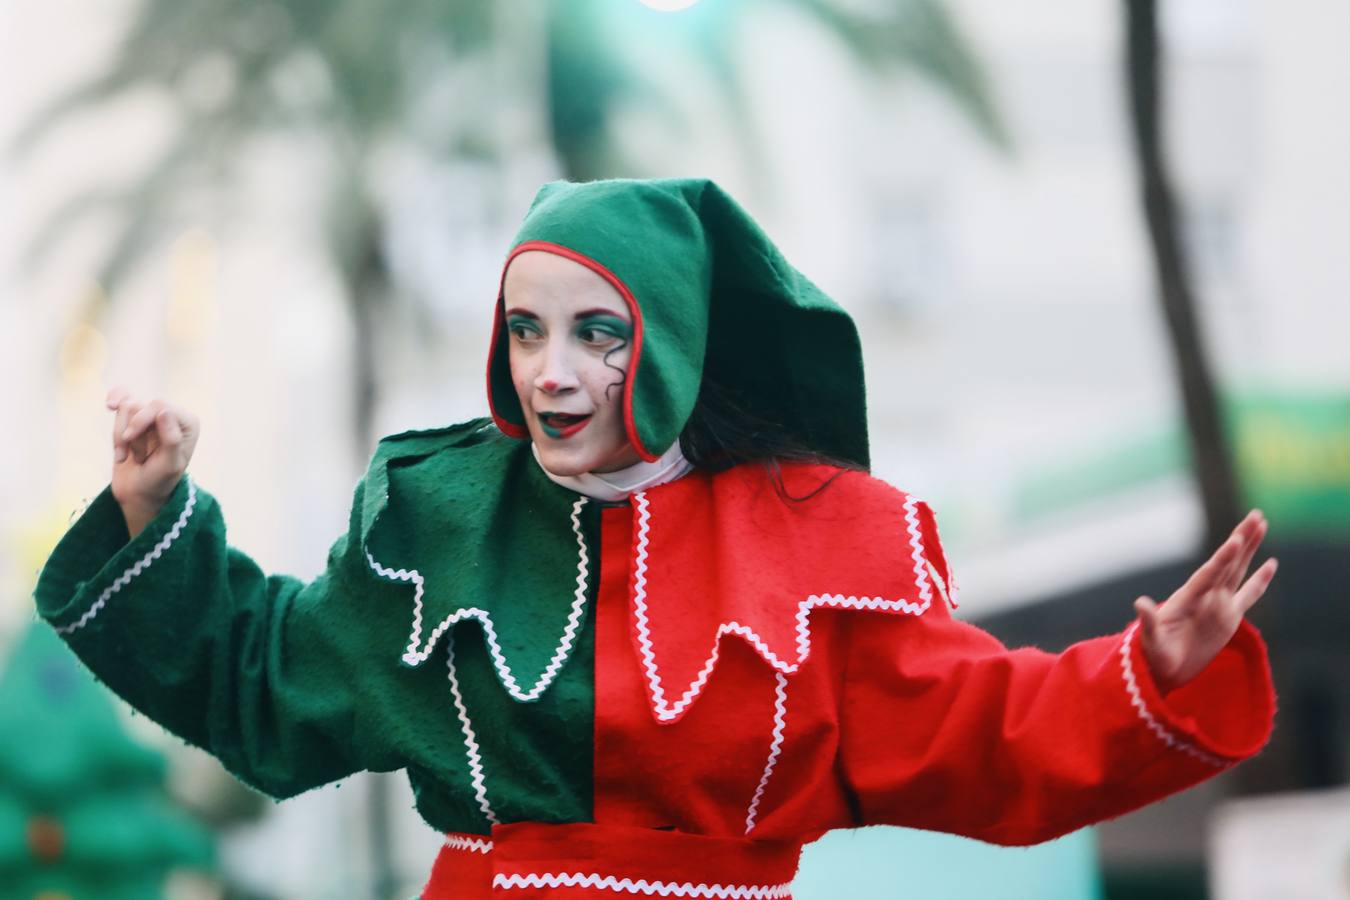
[83, 808]
[359, 73]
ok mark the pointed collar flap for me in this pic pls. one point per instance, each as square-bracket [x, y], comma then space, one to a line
[725, 554]
[464, 516]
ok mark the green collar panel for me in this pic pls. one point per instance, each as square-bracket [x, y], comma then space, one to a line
[468, 520]
[499, 567]
[711, 298]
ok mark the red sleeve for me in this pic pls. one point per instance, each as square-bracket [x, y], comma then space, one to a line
[944, 728]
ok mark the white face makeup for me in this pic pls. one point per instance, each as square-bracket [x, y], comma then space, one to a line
[570, 338]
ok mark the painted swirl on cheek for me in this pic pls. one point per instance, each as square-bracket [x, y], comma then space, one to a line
[621, 331]
[623, 373]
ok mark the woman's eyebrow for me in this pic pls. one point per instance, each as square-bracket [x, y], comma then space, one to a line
[584, 314]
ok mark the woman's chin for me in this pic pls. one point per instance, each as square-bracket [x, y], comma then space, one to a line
[561, 461]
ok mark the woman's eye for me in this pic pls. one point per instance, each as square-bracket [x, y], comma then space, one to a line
[595, 335]
[602, 333]
[523, 332]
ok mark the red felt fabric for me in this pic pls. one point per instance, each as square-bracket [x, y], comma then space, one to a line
[946, 729]
[529, 860]
[699, 774]
[726, 552]
[897, 715]
[460, 872]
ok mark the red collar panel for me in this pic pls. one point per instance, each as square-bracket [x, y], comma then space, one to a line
[727, 555]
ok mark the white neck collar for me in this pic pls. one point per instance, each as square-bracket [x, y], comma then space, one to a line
[612, 486]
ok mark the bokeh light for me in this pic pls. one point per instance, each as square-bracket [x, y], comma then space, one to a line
[668, 5]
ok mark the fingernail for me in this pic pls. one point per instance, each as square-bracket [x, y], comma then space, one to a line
[120, 454]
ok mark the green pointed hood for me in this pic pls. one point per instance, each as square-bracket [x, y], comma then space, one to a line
[710, 295]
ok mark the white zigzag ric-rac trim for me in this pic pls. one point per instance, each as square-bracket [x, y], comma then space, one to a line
[939, 583]
[1137, 701]
[641, 886]
[667, 711]
[775, 747]
[470, 844]
[470, 739]
[413, 656]
[139, 566]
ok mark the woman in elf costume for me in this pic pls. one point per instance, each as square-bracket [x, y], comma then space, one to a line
[651, 627]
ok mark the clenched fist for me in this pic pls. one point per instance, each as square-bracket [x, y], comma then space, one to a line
[152, 443]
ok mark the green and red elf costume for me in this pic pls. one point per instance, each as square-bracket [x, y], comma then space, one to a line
[662, 691]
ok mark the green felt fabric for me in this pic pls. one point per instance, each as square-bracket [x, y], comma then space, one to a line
[295, 684]
[470, 510]
[486, 530]
[262, 671]
[715, 296]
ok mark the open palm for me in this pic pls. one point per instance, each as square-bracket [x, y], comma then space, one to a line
[1181, 636]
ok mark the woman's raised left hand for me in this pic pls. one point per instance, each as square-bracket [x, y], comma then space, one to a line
[1181, 636]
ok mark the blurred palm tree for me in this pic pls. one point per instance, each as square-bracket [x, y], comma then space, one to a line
[360, 75]
[596, 51]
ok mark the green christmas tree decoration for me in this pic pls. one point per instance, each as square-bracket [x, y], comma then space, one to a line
[83, 810]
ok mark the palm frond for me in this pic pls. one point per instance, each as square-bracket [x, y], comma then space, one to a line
[922, 36]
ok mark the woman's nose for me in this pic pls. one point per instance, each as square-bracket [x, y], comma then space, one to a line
[556, 375]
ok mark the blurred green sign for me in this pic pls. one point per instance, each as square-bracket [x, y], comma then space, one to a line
[1292, 454]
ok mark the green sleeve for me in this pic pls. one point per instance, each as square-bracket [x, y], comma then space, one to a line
[270, 674]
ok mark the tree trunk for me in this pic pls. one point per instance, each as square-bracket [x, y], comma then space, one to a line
[1209, 446]
[370, 295]
[369, 288]
[355, 233]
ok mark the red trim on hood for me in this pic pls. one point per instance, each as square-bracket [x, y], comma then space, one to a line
[630, 425]
[507, 427]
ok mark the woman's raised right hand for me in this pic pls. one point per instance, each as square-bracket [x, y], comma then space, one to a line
[152, 444]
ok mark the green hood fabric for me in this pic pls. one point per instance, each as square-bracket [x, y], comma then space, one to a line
[711, 297]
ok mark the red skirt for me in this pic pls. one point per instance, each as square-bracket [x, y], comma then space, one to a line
[530, 861]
